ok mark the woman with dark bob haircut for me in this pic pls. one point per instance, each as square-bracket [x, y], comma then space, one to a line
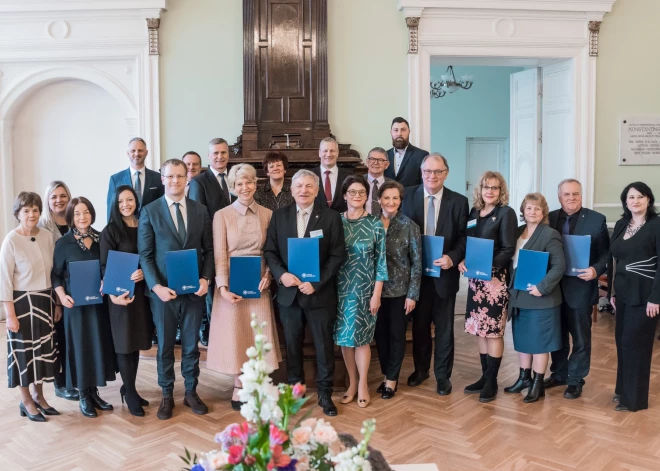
[276, 192]
[635, 295]
[90, 356]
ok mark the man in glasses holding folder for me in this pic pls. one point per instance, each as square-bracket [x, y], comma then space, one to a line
[580, 292]
[169, 224]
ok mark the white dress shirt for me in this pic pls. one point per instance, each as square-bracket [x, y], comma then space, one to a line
[436, 205]
[307, 212]
[184, 212]
[143, 174]
[371, 179]
[217, 177]
[334, 173]
[398, 158]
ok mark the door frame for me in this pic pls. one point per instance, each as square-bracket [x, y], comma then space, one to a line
[468, 140]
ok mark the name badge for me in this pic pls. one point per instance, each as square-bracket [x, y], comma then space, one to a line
[316, 234]
[472, 224]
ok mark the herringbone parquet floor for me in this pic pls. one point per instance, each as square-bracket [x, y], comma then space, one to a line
[417, 426]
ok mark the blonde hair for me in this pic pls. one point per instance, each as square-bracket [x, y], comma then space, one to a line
[241, 171]
[503, 199]
[47, 215]
[540, 200]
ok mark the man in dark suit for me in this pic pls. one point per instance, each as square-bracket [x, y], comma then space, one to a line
[307, 303]
[377, 163]
[405, 159]
[173, 223]
[212, 190]
[193, 162]
[331, 177]
[441, 212]
[146, 182]
[580, 293]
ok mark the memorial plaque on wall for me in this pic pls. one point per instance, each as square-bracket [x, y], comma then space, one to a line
[639, 141]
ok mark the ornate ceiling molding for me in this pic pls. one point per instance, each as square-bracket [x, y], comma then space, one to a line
[413, 26]
[153, 24]
[594, 28]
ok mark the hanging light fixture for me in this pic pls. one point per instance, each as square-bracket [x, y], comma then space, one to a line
[449, 84]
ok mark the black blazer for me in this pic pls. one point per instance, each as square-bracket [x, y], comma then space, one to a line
[332, 253]
[451, 224]
[500, 226]
[410, 173]
[338, 202]
[544, 239]
[157, 235]
[579, 293]
[206, 189]
[152, 190]
[637, 278]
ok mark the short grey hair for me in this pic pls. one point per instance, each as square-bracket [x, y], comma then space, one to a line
[568, 180]
[216, 141]
[329, 140]
[241, 171]
[137, 139]
[437, 156]
[379, 150]
[305, 173]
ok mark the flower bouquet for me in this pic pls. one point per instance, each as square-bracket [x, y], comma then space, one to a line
[267, 440]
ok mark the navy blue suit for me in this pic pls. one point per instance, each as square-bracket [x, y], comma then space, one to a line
[338, 201]
[410, 173]
[157, 235]
[152, 187]
[205, 189]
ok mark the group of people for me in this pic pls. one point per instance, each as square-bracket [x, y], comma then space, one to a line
[370, 232]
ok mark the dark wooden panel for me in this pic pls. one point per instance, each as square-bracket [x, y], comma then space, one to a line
[284, 52]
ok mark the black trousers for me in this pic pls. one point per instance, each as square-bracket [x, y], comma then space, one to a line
[60, 337]
[431, 308]
[321, 324]
[574, 368]
[390, 336]
[634, 334]
[185, 311]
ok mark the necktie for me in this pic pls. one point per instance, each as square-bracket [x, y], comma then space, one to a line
[138, 188]
[566, 229]
[301, 223]
[430, 217]
[224, 186]
[327, 188]
[181, 226]
[375, 205]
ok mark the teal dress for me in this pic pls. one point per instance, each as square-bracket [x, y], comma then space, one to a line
[366, 263]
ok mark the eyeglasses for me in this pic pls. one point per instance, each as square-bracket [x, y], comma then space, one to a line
[357, 192]
[437, 173]
[490, 188]
[174, 177]
[376, 161]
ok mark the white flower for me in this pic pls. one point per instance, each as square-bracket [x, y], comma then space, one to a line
[268, 347]
[247, 411]
[260, 338]
[251, 352]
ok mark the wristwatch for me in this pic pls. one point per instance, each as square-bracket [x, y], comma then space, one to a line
[208, 281]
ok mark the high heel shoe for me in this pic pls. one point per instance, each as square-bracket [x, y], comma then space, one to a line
[122, 393]
[364, 402]
[133, 402]
[347, 398]
[33, 417]
[46, 410]
[236, 405]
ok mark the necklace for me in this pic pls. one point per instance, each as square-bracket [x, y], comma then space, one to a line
[356, 219]
[631, 231]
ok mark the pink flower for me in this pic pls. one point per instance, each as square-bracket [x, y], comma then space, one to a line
[303, 464]
[311, 423]
[235, 454]
[278, 459]
[219, 460]
[242, 432]
[301, 435]
[325, 434]
[299, 390]
[277, 436]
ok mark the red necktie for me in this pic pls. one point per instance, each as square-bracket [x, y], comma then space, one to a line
[328, 188]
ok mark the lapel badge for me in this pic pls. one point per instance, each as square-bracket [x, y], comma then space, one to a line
[494, 217]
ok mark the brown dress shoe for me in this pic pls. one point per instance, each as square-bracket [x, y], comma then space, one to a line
[193, 401]
[165, 408]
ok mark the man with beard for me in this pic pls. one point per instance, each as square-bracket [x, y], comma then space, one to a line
[193, 163]
[405, 159]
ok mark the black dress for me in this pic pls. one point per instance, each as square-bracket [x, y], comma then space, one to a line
[132, 325]
[90, 359]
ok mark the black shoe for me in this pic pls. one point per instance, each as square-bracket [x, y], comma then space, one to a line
[572, 392]
[68, 394]
[165, 408]
[388, 393]
[192, 400]
[86, 405]
[444, 387]
[524, 381]
[381, 388]
[46, 410]
[99, 403]
[236, 405]
[417, 378]
[329, 408]
[489, 391]
[616, 398]
[552, 381]
[154, 339]
[33, 417]
[537, 390]
[475, 388]
[122, 392]
[133, 402]
[621, 408]
[177, 339]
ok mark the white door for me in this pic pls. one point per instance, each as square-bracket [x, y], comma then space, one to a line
[525, 138]
[558, 136]
[484, 154]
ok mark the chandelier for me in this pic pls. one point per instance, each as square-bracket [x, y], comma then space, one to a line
[450, 84]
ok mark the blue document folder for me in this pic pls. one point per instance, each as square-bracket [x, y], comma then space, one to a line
[85, 282]
[304, 258]
[245, 276]
[576, 251]
[182, 271]
[431, 250]
[479, 258]
[532, 267]
[118, 271]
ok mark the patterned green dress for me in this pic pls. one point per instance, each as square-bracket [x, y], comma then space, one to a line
[366, 264]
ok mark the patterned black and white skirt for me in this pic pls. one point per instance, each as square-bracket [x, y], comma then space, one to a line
[32, 351]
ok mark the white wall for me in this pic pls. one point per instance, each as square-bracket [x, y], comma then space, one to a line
[72, 131]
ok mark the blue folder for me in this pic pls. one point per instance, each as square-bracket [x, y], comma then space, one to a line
[118, 271]
[532, 267]
[85, 282]
[245, 276]
[479, 258]
[182, 271]
[304, 258]
[432, 247]
[576, 251]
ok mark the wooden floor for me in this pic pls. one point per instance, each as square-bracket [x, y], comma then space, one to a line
[417, 426]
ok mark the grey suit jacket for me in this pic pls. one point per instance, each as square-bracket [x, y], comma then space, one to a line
[544, 239]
